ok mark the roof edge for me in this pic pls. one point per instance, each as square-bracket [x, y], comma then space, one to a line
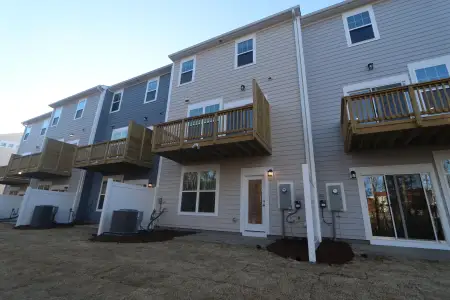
[92, 90]
[235, 33]
[34, 119]
[140, 78]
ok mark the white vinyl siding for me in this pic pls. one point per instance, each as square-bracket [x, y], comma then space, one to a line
[102, 193]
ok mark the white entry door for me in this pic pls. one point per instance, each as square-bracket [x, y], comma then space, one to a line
[254, 204]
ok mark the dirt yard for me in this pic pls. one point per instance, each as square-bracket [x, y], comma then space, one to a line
[63, 264]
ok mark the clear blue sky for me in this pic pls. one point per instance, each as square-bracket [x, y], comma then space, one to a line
[54, 49]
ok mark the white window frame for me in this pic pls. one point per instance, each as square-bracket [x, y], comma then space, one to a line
[203, 104]
[73, 142]
[401, 78]
[25, 136]
[44, 183]
[53, 116]
[76, 109]
[236, 42]
[412, 67]
[198, 169]
[138, 182]
[361, 172]
[156, 93]
[119, 178]
[46, 127]
[194, 58]
[112, 101]
[353, 12]
[118, 130]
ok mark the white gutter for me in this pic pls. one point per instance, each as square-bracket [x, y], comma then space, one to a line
[169, 98]
[76, 202]
[306, 116]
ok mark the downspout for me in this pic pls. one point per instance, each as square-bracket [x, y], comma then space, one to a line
[307, 132]
[76, 203]
[166, 117]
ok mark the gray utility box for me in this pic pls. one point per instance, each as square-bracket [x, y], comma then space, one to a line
[285, 195]
[124, 221]
[42, 216]
[335, 195]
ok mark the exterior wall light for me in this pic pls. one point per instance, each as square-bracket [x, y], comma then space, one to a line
[270, 173]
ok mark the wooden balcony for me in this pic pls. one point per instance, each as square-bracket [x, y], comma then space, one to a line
[11, 180]
[126, 155]
[416, 114]
[235, 132]
[55, 160]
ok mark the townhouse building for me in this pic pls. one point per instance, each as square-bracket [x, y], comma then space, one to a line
[121, 148]
[9, 144]
[45, 155]
[234, 131]
[378, 88]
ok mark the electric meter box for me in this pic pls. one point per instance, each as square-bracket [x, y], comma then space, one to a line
[285, 195]
[335, 197]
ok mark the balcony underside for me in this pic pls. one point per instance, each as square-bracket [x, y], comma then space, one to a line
[43, 174]
[414, 136]
[119, 166]
[208, 151]
[7, 180]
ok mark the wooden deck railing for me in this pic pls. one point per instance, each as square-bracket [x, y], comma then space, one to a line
[252, 119]
[134, 149]
[411, 103]
[56, 159]
[100, 152]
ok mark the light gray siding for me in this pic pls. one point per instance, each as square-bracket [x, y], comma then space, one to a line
[80, 129]
[215, 77]
[35, 140]
[410, 31]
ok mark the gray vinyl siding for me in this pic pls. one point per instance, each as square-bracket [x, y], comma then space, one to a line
[410, 31]
[132, 108]
[215, 77]
[81, 130]
[35, 139]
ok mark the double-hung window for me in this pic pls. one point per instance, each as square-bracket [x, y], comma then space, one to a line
[27, 133]
[116, 101]
[80, 109]
[245, 52]
[119, 133]
[152, 90]
[199, 190]
[432, 98]
[187, 69]
[56, 116]
[102, 194]
[44, 127]
[360, 26]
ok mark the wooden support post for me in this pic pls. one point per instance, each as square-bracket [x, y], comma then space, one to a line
[415, 105]
[348, 105]
[216, 125]
[142, 144]
[182, 129]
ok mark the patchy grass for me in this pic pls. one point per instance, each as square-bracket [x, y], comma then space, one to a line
[63, 264]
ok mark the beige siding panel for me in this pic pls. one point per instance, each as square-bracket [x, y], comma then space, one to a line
[215, 77]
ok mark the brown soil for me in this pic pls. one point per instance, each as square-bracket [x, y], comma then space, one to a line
[328, 252]
[141, 236]
[55, 225]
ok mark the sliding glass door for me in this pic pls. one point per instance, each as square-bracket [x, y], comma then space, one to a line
[403, 206]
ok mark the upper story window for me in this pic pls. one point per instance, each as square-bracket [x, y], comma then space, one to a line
[2, 144]
[10, 145]
[80, 109]
[152, 90]
[27, 133]
[245, 52]
[119, 133]
[360, 26]
[116, 101]
[187, 69]
[56, 116]
[44, 127]
[430, 69]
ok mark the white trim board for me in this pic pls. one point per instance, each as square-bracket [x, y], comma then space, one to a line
[260, 171]
[439, 157]
[399, 170]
